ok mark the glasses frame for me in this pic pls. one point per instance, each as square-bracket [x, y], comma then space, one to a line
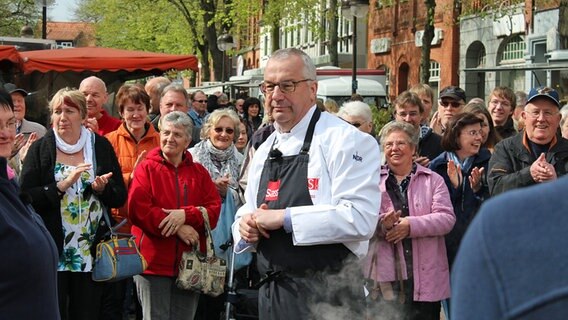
[264, 89]
[226, 130]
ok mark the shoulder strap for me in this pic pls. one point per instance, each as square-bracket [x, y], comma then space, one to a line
[210, 247]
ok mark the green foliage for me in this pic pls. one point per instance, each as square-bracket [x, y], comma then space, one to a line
[15, 14]
[381, 116]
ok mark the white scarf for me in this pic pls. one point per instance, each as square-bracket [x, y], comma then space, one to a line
[84, 143]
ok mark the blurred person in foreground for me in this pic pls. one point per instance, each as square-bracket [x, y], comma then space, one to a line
[163, 200]
[312, 200]
[357, 114]
[407, 256]
[28, 287]
[512, 260]
[72, 176]
[536, 155]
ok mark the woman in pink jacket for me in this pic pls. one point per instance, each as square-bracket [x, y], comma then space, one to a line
[407, 260]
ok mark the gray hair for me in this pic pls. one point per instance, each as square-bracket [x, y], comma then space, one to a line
[356, 109]
[176, 88]
[400, 126]
[178, 119]
[215, 117]
[309, 67]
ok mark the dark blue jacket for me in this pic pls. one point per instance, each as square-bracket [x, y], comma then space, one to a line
[464, 200]
[28, 271]
[512, 263]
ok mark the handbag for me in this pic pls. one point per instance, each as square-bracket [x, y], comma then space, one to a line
[117, 258]
[202, 273]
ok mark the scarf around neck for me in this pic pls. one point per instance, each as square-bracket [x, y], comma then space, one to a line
[218, 162]
[86, 143]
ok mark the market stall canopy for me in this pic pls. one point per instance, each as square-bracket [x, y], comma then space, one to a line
[9, 53]
[97, 59]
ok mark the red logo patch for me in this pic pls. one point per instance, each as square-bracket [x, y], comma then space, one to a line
[272, 190]
[313, 183]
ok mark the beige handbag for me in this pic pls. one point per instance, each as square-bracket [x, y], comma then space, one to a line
[202, 273]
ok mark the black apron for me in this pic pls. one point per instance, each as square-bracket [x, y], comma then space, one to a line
[294, 273]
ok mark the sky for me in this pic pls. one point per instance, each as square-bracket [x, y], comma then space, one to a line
[62, 10]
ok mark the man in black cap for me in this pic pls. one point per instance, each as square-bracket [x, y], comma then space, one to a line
[24, 128]
[450, 103]
[536, 155]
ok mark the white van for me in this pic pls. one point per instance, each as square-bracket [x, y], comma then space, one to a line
[335, 83]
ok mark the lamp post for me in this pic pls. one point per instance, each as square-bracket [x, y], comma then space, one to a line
[224, 43]
[354, 9]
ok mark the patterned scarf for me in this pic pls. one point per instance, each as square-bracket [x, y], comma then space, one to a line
[218, 162]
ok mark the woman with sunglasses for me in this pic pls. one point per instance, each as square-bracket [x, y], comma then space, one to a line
[464, 168]
[218, 154]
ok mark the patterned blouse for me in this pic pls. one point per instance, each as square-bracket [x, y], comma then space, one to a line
[80, 219]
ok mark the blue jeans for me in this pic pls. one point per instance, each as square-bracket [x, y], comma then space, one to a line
[161, 299]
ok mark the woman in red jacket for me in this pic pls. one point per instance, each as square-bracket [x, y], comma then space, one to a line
[164, 196]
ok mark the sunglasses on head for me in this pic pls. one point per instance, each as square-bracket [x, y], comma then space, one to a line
[453, 104]
[227, 130]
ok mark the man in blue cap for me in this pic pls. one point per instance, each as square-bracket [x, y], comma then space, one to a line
[537, 154]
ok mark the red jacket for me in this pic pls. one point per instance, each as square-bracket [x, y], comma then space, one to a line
[158, 184]
[127, 151]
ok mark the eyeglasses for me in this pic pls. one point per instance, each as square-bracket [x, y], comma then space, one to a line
[535, 114]
[285, 86]
[227, 130]
[391, 144]
[356, 124]
[473, 133]
[496, 102]
[412, 114]
[200, 101]
[453, 104]
[10, 125]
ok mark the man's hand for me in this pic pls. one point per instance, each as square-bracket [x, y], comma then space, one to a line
[268, 219]
[248, 229]
[541, 170]
[92, 124]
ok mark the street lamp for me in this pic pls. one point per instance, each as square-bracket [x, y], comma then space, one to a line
[354, 9]
[224, 43]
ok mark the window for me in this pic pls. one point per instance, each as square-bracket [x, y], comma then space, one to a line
[514, 50]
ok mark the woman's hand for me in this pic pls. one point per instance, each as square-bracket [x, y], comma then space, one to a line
[222, 184]
[19, 142]
[24, 150]
[172, 222]
[400, 231]
[73, 177]
[455, 174]
[475, 178]
[100, 182]
[188, 235]
[390, 219]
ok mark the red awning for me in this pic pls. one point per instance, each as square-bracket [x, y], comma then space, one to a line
[9, 53]
[97, 59]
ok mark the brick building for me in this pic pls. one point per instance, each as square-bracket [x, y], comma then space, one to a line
[395, 40]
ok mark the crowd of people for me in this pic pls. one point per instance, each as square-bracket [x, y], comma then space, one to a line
[325, 200]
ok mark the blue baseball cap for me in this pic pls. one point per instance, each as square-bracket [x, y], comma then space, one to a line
[545, 92]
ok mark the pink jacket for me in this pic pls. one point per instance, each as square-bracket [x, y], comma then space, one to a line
[431, 217]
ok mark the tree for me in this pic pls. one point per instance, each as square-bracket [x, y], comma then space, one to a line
[563, 24]
[427, 41]
[17, 14]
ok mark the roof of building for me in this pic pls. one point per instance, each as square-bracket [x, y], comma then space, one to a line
[70, 31]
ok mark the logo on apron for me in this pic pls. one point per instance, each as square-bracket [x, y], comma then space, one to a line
[272, 190]
[313, 183]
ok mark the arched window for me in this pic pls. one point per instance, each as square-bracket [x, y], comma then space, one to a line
[514, 50]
